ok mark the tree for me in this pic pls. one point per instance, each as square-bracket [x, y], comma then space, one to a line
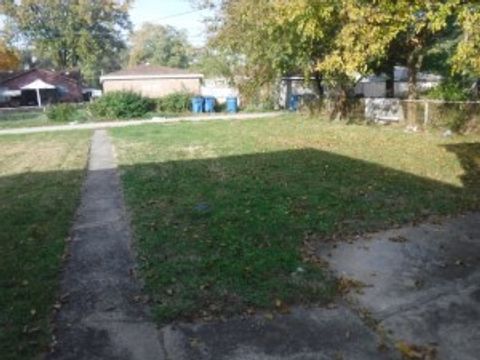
[9, 59]
[160, 45]
[384, 31]
[340, 40]
[467, 57]
[71, 33]
[214, 62]
[276, 37]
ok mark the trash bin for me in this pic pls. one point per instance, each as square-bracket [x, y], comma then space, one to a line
[197, 104]
[232, 104]
[294, 102]
[209, 105]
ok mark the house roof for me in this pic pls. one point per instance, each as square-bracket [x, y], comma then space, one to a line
[150, 72]
[22, 78]
[5, 75]
[13, 83]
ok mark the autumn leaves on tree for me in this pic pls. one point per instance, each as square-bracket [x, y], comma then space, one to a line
[9, 59]
[338, 39]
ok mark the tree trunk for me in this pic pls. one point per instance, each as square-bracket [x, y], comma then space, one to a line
[318, 83]
[341, 104]
[414, 64]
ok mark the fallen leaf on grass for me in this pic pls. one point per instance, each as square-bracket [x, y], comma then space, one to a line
[346, 285]
[282, 308]
[398, 239]
[268, 316]
[64, 298]
[250, 311]
[416, 352]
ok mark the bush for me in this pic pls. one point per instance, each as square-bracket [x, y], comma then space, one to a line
[61, 112]
[175, 103]
[266, 104]
[449, 90]
[457, 117]
[121, 105]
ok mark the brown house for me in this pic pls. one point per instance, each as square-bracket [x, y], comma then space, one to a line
[152, 81]
[38, 87]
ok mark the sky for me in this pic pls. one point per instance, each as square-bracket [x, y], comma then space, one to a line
[178, 13]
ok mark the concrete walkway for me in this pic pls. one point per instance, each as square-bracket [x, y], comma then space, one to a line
[422, 288]
[421, 298]
[422, 284]
[103, 317]
[305, 334]
[116, 124]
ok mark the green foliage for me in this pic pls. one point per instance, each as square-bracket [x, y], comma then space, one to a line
[61, 112]
[71, 33]
[449, 90]
[458, 117]
[121, 105]
[178, 102]
[214, 62]
[259, 101]
[337, 40]
[400, 32]
[467, 57]
[160, 45]
[288, 37]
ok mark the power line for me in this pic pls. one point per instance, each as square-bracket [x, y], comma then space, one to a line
[179, 14]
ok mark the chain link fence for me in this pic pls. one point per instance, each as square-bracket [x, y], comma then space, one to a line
[457, 116]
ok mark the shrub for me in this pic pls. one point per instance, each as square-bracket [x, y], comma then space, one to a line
[175, 103]
[121, 105]
[61, 112]
[265, 104]
[449, 90]
[456, 117]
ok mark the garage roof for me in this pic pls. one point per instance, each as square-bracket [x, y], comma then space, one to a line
[150, 72]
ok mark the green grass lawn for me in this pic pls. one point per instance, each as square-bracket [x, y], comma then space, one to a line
[39, 118]
[36, 119]
[40, 180]
[223, 211]
[27, 119]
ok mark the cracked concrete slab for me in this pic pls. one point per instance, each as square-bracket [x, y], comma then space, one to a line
[103, 318]
[422, 282]
[305, 334]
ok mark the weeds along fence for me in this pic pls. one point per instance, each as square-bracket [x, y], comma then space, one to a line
[20, 113]
[458, 116]
[28, 112]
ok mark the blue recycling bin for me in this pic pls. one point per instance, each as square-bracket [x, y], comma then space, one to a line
[209, 104]
[232, 104]
[197, 104]
[294, 102]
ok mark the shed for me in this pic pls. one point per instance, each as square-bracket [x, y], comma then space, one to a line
[152, 81]
[373, 86]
